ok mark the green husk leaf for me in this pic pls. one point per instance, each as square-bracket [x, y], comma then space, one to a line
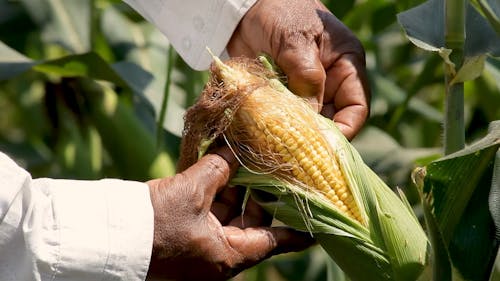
[392, 247]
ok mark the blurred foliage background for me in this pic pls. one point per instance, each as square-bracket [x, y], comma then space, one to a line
[88, 90]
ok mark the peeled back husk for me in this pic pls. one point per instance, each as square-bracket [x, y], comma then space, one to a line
[246, 106]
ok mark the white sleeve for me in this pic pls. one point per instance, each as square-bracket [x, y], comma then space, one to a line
[193, 25]
[72, 230]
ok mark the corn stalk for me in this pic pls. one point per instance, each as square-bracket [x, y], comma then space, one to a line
[454, 129]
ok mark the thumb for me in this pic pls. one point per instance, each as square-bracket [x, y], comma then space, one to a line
[306, 75]
[255, 244]
[213, 171]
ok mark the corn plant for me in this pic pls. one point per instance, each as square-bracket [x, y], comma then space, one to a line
[461, 215]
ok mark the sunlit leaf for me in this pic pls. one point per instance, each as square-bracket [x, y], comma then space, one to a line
[127, 140]
[64, 22]
[130, 40]
[113, 119]
[91, 65]
[424, 26]
[481, 38]
[470, 70]
[136, 76]
[85, 65]
[147, 47]
[80, 151]
[491, 10]
[12, 63]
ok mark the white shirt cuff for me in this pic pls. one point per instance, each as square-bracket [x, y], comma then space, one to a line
[104, 229]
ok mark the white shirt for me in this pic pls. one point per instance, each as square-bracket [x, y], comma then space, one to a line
[193, 25]
[72, 230]
[101, 230]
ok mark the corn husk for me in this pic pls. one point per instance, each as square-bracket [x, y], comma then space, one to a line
[388, 244]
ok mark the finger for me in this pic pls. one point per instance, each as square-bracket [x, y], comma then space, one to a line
[228, 204]
[213, 171]
[299, 59]
[349, 104]
[255, 244]
[350, 120]
[253, 216]
[237, 46]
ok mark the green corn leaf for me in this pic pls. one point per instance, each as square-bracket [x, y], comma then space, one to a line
[12, 63]
[63, 22]
[456, 191]
[124, 136]
[481, 38]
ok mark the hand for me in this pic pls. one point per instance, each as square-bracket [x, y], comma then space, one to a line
[197, 238]
[323, 60]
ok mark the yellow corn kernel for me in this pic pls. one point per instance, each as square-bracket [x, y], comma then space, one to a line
[311, 163]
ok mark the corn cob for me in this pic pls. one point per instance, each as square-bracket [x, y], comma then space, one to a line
[298, 149]
[320, 182]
